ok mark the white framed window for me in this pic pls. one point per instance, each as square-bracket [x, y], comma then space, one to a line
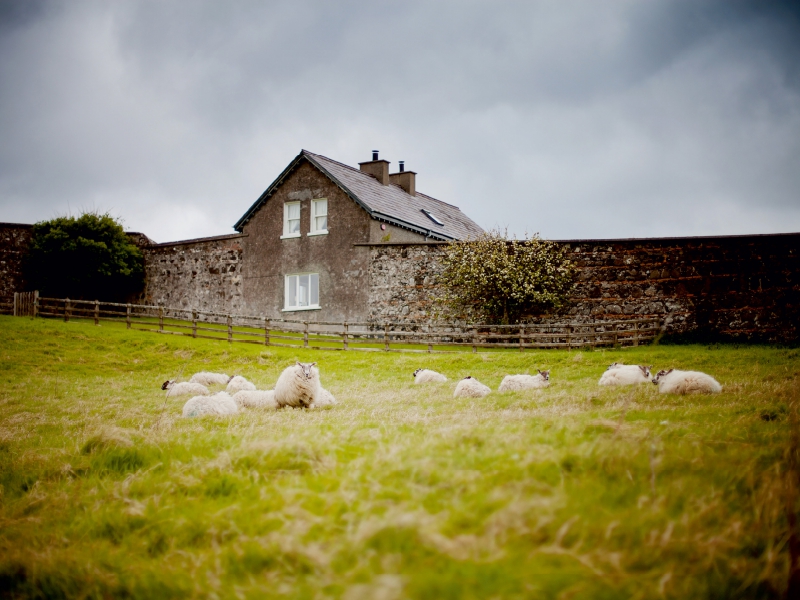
[301, 292]
[319, 217]
[291, 220]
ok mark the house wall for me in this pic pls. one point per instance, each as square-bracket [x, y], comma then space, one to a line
[343, 268]
[14, 240]
[740, 287]
[203, 274]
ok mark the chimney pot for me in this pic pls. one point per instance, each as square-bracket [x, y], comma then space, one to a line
[402, 165]
[374, 155]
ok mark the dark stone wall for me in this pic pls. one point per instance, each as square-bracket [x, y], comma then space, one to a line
[14, 240]
[202, 274]
[734, 287]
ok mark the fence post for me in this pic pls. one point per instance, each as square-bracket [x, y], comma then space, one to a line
[66, 310]
[97, 312]
[305, 334]
[35, 303]
[266, 331]
[616, 335]
[16, 299]
[521, 338]
[160, 319]
[230, 329]
[636, 333]
[344, 336]
[430, 345]
[128, 315]
[386, 336]
[569, 337]
[474, 340]
[194, 323]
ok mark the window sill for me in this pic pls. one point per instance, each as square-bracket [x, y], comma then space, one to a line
[299, 308]
[323, 232]
[289, 236]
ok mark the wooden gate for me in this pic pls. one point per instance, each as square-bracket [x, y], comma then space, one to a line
[25, 304]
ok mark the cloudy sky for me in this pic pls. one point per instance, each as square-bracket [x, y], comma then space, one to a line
[574, 119]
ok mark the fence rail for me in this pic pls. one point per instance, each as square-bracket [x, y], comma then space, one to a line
[362, 336]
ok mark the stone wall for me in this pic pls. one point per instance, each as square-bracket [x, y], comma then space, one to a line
[734, 287]
[14, 240]
[202, 274]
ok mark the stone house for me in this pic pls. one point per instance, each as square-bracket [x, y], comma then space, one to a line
[303, 248]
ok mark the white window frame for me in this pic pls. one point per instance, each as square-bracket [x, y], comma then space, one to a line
[293, 304]
[286, 234]
[312, 229]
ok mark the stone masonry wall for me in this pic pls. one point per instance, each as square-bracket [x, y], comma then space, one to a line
[202, 274]
[14, 240]
[740, 287]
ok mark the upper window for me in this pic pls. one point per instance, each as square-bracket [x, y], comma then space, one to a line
[319, 217]
[291, 219]
[432, 217]
[302, 291]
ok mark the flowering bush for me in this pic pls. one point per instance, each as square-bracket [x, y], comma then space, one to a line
[498, 280]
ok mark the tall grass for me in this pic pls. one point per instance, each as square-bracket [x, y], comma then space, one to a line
[398, 491]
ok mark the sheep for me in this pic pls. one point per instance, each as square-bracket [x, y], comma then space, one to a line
[686, 382]
[298, 385]
[238, 383]
[513, 383]
[184, 388]
[325, 398]
[219, 404]
[619, 374]
[426, 376]
[255, 399]
[207, 378]
[469, 387]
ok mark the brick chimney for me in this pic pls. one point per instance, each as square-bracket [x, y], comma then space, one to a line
[405, 179]
[379, 169]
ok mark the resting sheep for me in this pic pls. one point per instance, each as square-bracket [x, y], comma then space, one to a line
[325, 398]
[686, 382]
[513, 383]
[207, 378]
[255, 399]
[238, 384]
[219, 404]
[184, 388]
[469, 387]
[298, 386]
[426, 376]
[619, 374]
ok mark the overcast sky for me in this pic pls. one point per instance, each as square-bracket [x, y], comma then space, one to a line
[574, 119]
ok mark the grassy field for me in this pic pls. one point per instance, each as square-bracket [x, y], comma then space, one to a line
[399, 491]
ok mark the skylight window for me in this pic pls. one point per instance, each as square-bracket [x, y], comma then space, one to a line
[432, 218]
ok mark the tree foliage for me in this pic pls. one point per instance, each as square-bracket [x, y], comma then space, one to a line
[498, 280]
[89, 257]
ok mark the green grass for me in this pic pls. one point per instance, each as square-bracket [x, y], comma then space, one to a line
[400, 490]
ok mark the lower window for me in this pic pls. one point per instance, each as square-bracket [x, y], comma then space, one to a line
[302, 291]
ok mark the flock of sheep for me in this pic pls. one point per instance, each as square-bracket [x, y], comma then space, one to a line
[299, 387]
[669, 382]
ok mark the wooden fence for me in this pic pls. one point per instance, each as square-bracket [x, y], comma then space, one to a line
[25, 304]
[371, 337]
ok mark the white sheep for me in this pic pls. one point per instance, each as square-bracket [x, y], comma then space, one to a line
[514, 383]
[325, 398]
[426, 376]
[469, 387]
[207, 378]
[686, 382]
[619, 374]
[220, 403]
[184, 388]
[298, 385]
[255, 399]
[238, 384]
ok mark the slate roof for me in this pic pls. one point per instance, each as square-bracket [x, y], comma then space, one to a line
[388, 203]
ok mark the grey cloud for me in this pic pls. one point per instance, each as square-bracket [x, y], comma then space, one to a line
[575, 119]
